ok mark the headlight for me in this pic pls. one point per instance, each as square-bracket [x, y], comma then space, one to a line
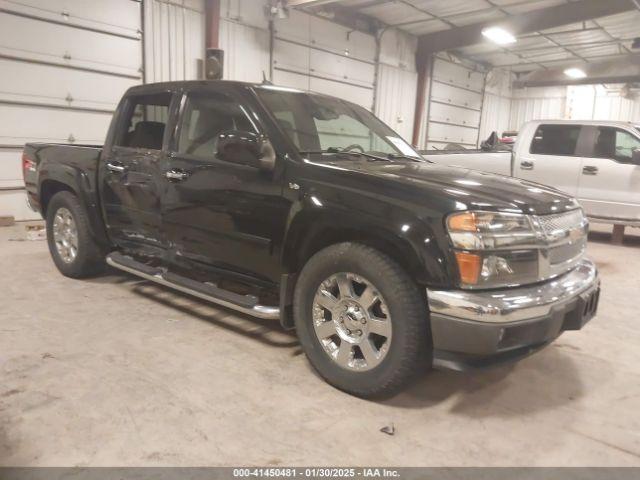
[494, 249]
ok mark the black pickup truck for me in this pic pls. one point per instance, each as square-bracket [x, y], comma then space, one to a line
[302, 207]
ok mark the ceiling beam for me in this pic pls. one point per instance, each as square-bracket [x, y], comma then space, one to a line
[308, 3]
[625, 69]
[528, 22]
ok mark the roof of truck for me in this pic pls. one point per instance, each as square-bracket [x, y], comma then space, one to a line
[190, 83]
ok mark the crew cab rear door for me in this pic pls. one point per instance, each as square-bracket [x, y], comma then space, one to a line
[609, 180]
[130, 177]
[227, 215]
[551, 157]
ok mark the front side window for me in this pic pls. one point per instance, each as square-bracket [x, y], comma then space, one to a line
[206, 116]
[555, 140]
[317, 123]
[615, 144]
[145, 121]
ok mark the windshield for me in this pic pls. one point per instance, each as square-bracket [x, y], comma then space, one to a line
[316, 123]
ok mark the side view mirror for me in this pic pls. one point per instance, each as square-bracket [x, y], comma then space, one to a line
[246, 148]
[635, 156]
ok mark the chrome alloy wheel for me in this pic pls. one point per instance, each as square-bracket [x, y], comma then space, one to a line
[65, 235]
[352, 321]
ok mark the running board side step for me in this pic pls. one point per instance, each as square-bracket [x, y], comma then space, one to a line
[242, 303]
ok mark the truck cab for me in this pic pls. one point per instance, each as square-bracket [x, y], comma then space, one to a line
[598, 162]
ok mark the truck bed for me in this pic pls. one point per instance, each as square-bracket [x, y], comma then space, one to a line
[60, 162]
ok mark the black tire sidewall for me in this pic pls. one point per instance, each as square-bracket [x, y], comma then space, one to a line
[408, 317]
[88, 259]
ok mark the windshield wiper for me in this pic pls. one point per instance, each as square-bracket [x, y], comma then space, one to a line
[396, 156]
[339, 151]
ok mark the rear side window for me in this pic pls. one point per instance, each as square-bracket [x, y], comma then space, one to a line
[145, 121]
[206, 116]
[555, 140]
[615, 144]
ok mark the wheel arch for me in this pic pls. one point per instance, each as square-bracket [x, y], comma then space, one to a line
[66, 178]
[309, 232]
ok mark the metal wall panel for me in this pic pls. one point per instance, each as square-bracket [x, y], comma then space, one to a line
[64, 64]
[44, 124]
[246, 51]
[597, 102]
[337, 60]
[496, 105]
[396, 81]
[537, 104]
[396, 98]
[455, 103]
[59, 44]
[10, 171]
[174, 39]
[64, 87]
[121, 17]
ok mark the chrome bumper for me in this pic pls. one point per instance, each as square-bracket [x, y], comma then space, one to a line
[515, 304]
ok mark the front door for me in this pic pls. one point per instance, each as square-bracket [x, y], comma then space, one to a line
[551, 158]
[214, 212]
[130, 177]
[609, 181]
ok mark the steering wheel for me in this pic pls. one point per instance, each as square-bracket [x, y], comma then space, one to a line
[352, 147]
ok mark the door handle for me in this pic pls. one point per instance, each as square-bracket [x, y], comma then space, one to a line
[526, 165]
[589, 170]
[116, 167]
[176, 174]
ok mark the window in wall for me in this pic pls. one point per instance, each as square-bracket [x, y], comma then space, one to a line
[555, 140]
[145, 121]
[615, 144]
[206, 116]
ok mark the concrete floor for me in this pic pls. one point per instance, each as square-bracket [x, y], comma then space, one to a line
[116, 371]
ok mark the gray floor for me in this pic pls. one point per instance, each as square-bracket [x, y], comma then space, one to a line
[114, 371]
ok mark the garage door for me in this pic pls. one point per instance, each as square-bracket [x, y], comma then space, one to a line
[455, 104]
[65, 65]
[311, 53]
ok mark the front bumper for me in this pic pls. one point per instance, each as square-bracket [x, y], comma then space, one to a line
[472, 329]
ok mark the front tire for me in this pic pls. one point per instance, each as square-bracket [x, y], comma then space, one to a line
[73, 249]
[361, 320]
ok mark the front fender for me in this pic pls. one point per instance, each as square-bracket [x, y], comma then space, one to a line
[327, 214]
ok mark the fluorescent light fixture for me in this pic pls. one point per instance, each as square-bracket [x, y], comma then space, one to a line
[575, 73]
[499, 35]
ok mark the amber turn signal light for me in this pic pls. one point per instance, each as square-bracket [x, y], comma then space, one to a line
[462, 222]
[469, 267]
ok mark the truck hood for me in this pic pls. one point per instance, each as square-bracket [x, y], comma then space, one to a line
[476, 190]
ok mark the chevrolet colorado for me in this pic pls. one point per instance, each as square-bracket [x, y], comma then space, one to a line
[306, 208]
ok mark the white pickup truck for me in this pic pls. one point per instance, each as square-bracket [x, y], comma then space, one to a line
[596, 161]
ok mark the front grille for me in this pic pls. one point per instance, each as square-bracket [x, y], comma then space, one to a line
[566, 236]
[566, 252]
[559, 224]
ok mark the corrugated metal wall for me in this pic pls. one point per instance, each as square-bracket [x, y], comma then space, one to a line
[597, 102]
[396, 82]
[583, 102]
[244, 37]
[537, 103]
[174, 39]
[496, 107]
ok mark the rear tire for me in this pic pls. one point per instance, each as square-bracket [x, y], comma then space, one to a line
[393, 343]
[74, 251]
